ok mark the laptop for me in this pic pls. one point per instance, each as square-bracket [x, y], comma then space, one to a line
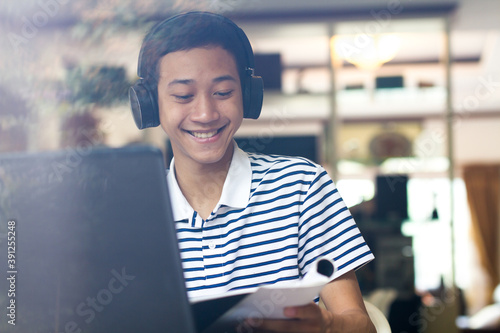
[88, 244]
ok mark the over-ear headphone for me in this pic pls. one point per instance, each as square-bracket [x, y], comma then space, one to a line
[143, 96]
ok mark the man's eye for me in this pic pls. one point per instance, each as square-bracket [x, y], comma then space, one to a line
[226, 93]
[182, 98]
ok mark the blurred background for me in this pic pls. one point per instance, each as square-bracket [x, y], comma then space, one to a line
[399, 100]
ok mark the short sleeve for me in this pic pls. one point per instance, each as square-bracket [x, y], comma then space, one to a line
[326, 228]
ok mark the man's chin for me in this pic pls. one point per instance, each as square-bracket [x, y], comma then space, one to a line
[212, 158]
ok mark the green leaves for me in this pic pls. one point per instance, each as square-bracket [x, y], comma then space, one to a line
[98, 85]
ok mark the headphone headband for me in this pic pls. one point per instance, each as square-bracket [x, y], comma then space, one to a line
[242, 37]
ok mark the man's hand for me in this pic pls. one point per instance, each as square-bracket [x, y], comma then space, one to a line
[345, 312]
[308, 318]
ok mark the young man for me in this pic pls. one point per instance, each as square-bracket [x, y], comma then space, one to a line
[243, 219]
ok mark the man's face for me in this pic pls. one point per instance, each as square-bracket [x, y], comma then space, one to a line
[200, 103]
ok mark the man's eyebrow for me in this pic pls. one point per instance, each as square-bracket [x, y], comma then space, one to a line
[180, 81]
[191, 81]
[224, 78]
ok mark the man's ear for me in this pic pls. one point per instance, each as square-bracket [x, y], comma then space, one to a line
[253, 96]
[144, 105]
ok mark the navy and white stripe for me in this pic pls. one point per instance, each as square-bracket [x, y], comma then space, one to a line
[276, 216]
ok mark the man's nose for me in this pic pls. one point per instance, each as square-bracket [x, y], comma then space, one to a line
[205, 109]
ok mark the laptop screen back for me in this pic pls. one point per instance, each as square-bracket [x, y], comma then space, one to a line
[88, 244]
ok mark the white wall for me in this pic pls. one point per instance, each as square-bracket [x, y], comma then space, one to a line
[477, 141]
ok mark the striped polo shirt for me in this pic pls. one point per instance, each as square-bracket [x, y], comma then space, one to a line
[276, 215]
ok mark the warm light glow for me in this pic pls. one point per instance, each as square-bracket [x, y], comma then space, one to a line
[366, 52]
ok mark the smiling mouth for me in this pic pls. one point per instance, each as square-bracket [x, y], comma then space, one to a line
[206, 135]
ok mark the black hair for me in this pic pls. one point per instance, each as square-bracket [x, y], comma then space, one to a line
[185, 32]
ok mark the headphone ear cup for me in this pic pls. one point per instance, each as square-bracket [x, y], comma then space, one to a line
[253, 97]
[144, 106]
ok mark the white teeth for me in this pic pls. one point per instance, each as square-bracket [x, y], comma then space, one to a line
[204, 135]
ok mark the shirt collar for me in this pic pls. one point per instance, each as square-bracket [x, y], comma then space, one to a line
[235, 192]
[238, 183]
[181, 209]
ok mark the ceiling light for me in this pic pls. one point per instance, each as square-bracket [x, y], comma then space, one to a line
[366, 52]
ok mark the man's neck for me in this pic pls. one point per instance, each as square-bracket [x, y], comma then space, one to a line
[201, 184]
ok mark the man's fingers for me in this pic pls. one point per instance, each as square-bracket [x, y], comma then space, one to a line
[287, 326]
[309, 311]
[307, 318]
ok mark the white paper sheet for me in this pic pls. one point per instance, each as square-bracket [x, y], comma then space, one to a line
[270, 301]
